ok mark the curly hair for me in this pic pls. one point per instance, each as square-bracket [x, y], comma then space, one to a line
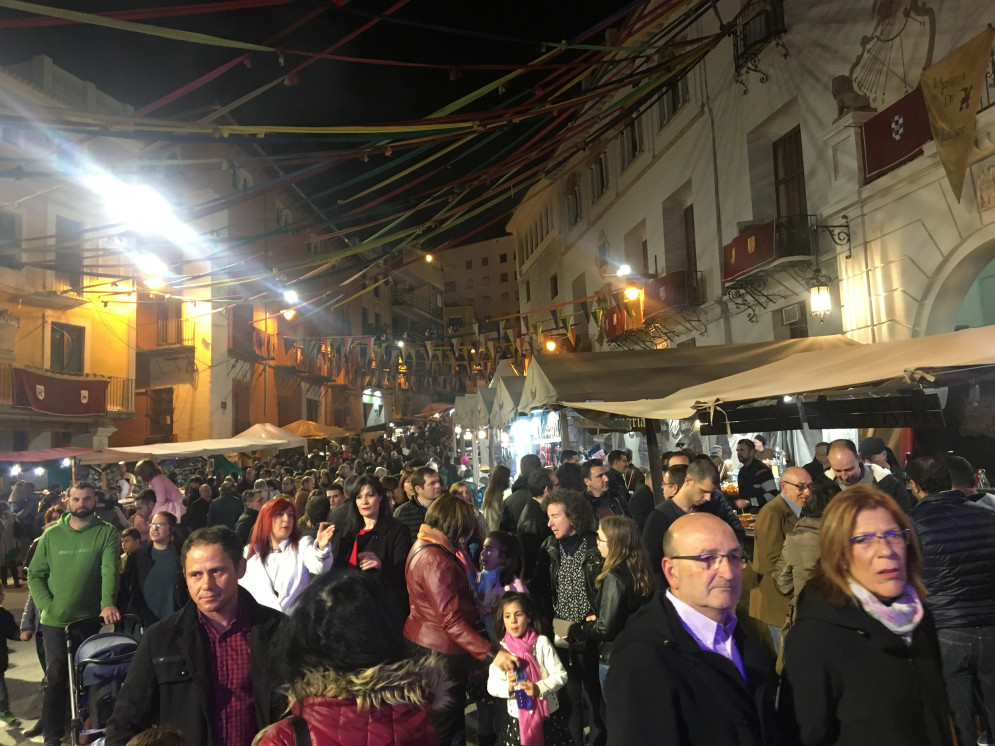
[576, 507]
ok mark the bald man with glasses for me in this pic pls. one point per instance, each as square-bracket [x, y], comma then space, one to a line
[775, 521]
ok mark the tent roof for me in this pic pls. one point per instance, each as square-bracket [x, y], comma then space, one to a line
[815, 372]
[507, 396]
[309, 429]
[266, 431]
[49, 454]
[581, 379]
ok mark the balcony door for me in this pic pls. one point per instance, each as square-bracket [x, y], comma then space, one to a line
[789, 190]
[66, 347]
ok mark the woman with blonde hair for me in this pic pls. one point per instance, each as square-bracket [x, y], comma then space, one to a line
[497, 490]
[623, 585]
[862, 664]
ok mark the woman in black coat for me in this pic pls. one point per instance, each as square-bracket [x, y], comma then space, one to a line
[152, 585]
[623, 585]
[369, 538]
[862, 664]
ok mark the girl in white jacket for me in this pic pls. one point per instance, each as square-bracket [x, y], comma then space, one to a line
[279, 561]
[536, 718]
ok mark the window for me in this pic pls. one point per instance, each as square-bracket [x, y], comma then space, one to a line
[599, 175]
[503, 259]
[628, 141]
[573, 210]
[504, 297]
[689, 241]
[484, 261]
[10, 238]
[66, 347]
[504, 277]
[469, 284]
[161, 413]
[450, 286]
[528, 291]
[312, 409]
[672, 101]
[554, 287]
[68, 253]
[469, 263]
[789, 192]
[485, 281]
[376, 291]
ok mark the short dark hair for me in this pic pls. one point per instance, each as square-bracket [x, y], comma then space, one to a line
[83, 485]
[820, 444]
[569, 475]
[821, 492]
[418, 478]
[131, 533]
[529, 463]
[576, 507]
[747, 442]
[146, 496]
[527, 604]
[961, 472]
[222, 536]
[250, 495]
[844, 444]
[701, 469]
[614, 456]
[539, 482]
[585, 468]
[568, 453]
[343, 621]
[677, 473]
[931, 473]
[456, 519]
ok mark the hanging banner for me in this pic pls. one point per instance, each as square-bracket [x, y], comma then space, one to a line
[952, 89]
[58, 394]
[598, 314]
[585, 308]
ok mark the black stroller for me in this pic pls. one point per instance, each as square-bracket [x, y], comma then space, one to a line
[97, 669]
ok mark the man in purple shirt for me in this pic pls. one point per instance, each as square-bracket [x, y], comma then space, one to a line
[683, 672]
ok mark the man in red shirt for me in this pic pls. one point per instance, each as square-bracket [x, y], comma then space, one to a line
[204, 670]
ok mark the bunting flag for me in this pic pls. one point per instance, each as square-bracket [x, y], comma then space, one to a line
[568, 321]
[585, 308]
[538, 330]
[952, 89]
[572, 335]
[476, 330]
[555, 317]
[499, 329]
[518, 344]
[288, 345]
[369, 347]
[631, 307]
[598, 314]
[491, 347]
[430, 348]
[511, 335]
[619, 299]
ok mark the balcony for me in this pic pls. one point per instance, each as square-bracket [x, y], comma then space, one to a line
[414, 303]
[119, 392]
[64, 296]
[760, 23]
[788, 239]
[165, 335]
[674, 290]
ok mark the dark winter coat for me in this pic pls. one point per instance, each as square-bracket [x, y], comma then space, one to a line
[131, 599]
[389, 540]
[533, 530]
[168, 683]
[849, 681]
[662, 688]
[225, 510]
[411, 514]
[387, 705]
[513, 506]
[245, 523]
[957, 538]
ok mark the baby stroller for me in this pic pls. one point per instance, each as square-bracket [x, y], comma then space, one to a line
[97, 669]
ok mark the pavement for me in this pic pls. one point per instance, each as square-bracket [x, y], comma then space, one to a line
[23, 675]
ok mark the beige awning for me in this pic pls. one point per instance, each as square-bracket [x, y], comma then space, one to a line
[813, 373]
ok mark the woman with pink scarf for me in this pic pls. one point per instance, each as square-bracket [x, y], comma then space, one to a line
[535, 717]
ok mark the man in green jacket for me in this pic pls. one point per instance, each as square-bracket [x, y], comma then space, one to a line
[72, 576]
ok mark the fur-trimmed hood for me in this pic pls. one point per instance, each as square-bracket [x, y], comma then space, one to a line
[415, 682]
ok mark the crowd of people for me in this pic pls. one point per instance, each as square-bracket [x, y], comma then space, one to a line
[371, 597]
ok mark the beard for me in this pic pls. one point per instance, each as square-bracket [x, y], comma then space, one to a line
[83, 513]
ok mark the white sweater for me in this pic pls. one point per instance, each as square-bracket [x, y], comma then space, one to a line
[554, 676]
[286, 573]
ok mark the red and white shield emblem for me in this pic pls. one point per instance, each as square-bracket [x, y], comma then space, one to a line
[84, 396]
[39, 392]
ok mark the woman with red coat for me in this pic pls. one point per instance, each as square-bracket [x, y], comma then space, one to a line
[442, 616]
[351, 681]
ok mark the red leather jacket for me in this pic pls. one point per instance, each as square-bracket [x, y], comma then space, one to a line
[338, 722]
[443, 615]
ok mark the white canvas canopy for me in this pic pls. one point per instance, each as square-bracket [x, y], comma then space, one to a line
[814, 373]
[280, 437]
[598, 380]
[507, 396]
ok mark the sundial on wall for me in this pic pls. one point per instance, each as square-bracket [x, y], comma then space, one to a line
[893, 55]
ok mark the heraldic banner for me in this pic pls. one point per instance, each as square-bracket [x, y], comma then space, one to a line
[56, 394]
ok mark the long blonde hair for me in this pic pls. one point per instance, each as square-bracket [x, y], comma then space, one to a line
[625, 547]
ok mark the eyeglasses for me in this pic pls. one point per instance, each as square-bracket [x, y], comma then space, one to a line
[714, 561]
[158, 525]
[799, 487]
[599, 540]
[896, 538]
